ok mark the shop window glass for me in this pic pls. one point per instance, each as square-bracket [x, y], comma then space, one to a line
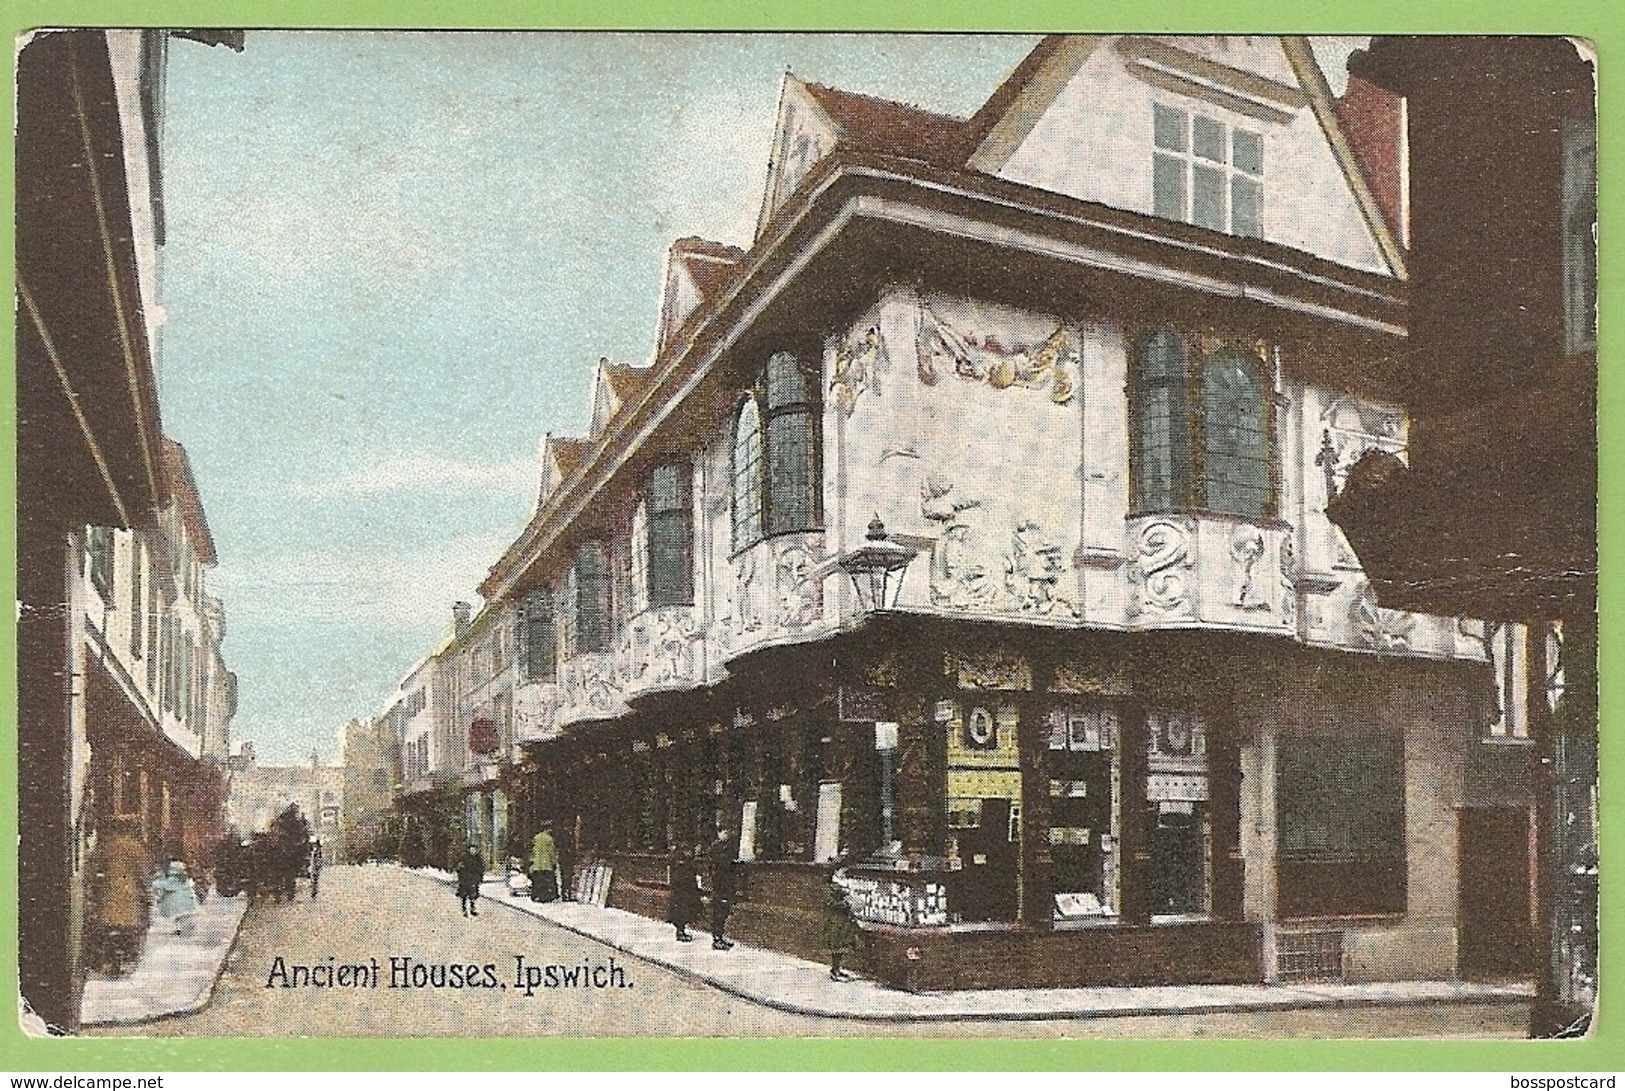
[1084, 771]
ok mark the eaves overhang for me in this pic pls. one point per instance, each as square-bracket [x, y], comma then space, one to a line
[863, 222]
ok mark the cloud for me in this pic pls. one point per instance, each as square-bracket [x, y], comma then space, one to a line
[425, 472]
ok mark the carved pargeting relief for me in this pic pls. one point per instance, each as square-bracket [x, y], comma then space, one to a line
[1251, 587]
[1373, 626]
[860, 361]
[799, 595]
[1160, 572]
[955, 339]
[1033, 571]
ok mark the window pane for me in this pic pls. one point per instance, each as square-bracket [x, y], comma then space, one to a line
[1207, 197]
[787, 384]
[1248, 151]
[1340, 806]
[1246, 196]
[667, 488]
[1208, 139]
[747, 479]
[540, 646]
[1168, 187]
[1161, 419]
[592, 598]
[669, 566]
[791, 502]
[1236, 471]
[1169, 128]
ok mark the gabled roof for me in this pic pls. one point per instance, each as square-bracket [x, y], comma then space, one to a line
[894, 128]
[696, 269]
[626, 382]
[182, 490]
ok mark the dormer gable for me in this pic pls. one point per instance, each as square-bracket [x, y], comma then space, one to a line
[1237, 134]
[695, 270]
[559, 456]
[614, 386]
[814, 120]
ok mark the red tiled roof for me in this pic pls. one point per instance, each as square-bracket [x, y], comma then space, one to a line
[628, 382]
[568, 452]
[874, 124]
[708, 264]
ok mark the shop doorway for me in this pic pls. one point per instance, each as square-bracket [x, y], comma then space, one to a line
[988, 853]
[1493, 911]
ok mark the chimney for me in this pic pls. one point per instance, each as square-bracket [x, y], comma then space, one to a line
[461, 612]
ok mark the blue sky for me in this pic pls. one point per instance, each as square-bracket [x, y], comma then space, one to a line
[392, 262]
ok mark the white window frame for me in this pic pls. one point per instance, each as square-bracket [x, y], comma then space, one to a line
[1186, 157]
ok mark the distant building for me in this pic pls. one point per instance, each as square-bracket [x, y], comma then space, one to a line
[261, 792]
[372, 773]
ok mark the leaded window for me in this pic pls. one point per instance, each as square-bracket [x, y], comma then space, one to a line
[590, 577]
[670, 537]
[776, 480]
[747, 476]
[1203, 429]
[539, 635]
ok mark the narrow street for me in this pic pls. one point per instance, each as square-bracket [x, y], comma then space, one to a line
[367, 913]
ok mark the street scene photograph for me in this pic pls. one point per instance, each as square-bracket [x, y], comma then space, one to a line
[718, 535]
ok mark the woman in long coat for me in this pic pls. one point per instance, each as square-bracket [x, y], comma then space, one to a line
[684, 905]
[839, 934]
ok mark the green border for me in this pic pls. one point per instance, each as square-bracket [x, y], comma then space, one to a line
[1605, 1050]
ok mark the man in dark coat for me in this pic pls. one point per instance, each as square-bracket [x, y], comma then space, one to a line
[724, 885]
[470, 874]
[683, 906]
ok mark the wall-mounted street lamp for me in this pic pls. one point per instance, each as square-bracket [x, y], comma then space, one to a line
[877, 568]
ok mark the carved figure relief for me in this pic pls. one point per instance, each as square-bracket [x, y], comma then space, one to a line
[958, 579]
[859, 362]
[1033, 571]
[1162, 559]
[800, 598]
[1246, 549]
[659, 648]
[984, 358]
[1289, 580]
[746, 613]
[1377, 627]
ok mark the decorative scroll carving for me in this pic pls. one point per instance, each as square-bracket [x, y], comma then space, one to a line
[1158, 573]
[985, 359]
[1377, 627]
[991, 670]
[859, 362]
[659, 648]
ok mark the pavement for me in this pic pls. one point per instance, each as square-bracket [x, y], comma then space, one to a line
[795, 985]
[177, 975]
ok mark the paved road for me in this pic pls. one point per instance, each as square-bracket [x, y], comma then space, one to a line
[371, 916]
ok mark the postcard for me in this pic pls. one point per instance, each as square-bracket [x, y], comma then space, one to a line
[786, 536]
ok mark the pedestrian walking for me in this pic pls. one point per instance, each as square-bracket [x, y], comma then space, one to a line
[683, 905]
[177, 898]
[315, 866]
[724, 885]
[839, 934]
[470, 874]
[544, 865]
